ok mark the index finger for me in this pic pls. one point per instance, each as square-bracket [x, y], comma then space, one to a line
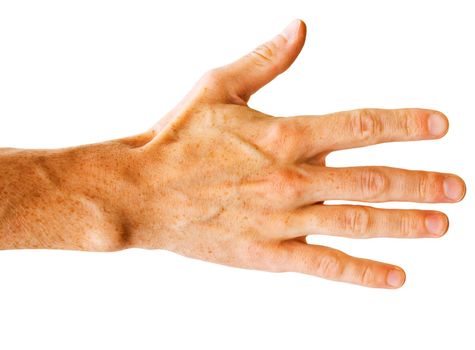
[363, 127]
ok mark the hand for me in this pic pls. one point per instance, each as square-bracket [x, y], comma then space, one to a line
[231, 185]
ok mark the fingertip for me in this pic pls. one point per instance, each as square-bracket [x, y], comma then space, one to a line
[464, 188]
[295, 33]
[454, 188]
[437, 124]
[396, 277]
[437, 223]
[291, 31]
[302, 27]
[254, 70]
[302, 33]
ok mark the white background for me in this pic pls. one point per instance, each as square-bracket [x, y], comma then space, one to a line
[74, 72]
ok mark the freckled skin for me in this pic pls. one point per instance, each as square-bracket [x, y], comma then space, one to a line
[219, 181]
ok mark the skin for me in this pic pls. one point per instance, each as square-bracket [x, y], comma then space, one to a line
[219, 181]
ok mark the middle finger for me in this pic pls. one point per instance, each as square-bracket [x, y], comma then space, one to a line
[382, 184]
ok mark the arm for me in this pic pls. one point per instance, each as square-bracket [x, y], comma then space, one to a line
[219, 181]
[73, 198]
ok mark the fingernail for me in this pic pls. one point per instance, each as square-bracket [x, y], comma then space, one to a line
[291, 31]
[453, 188]
[395, 278]
[436, 224]
[437, 124]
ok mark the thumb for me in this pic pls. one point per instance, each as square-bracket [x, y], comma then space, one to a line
[251, 72]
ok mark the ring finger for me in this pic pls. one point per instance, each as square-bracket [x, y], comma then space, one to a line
[356, 221]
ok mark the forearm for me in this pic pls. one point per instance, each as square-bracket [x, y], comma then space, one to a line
[72, 198]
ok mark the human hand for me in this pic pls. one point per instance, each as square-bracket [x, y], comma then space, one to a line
[225, 183]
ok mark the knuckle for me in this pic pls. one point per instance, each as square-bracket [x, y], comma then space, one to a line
[357, 221]
[427, 188]
[330, 266]
[288, 183]
[252, 254]
[212, 77]
[410, 125]
[407, 127]
[263, 256]
[282, 137]
[284, 223]
[264, 54]
[406, 225]
[281, 129]
[367, 275]
[365, 124]
[422, 186]
[373, 183]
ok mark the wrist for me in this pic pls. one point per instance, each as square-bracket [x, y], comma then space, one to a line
[81, 198]
[109, 177]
